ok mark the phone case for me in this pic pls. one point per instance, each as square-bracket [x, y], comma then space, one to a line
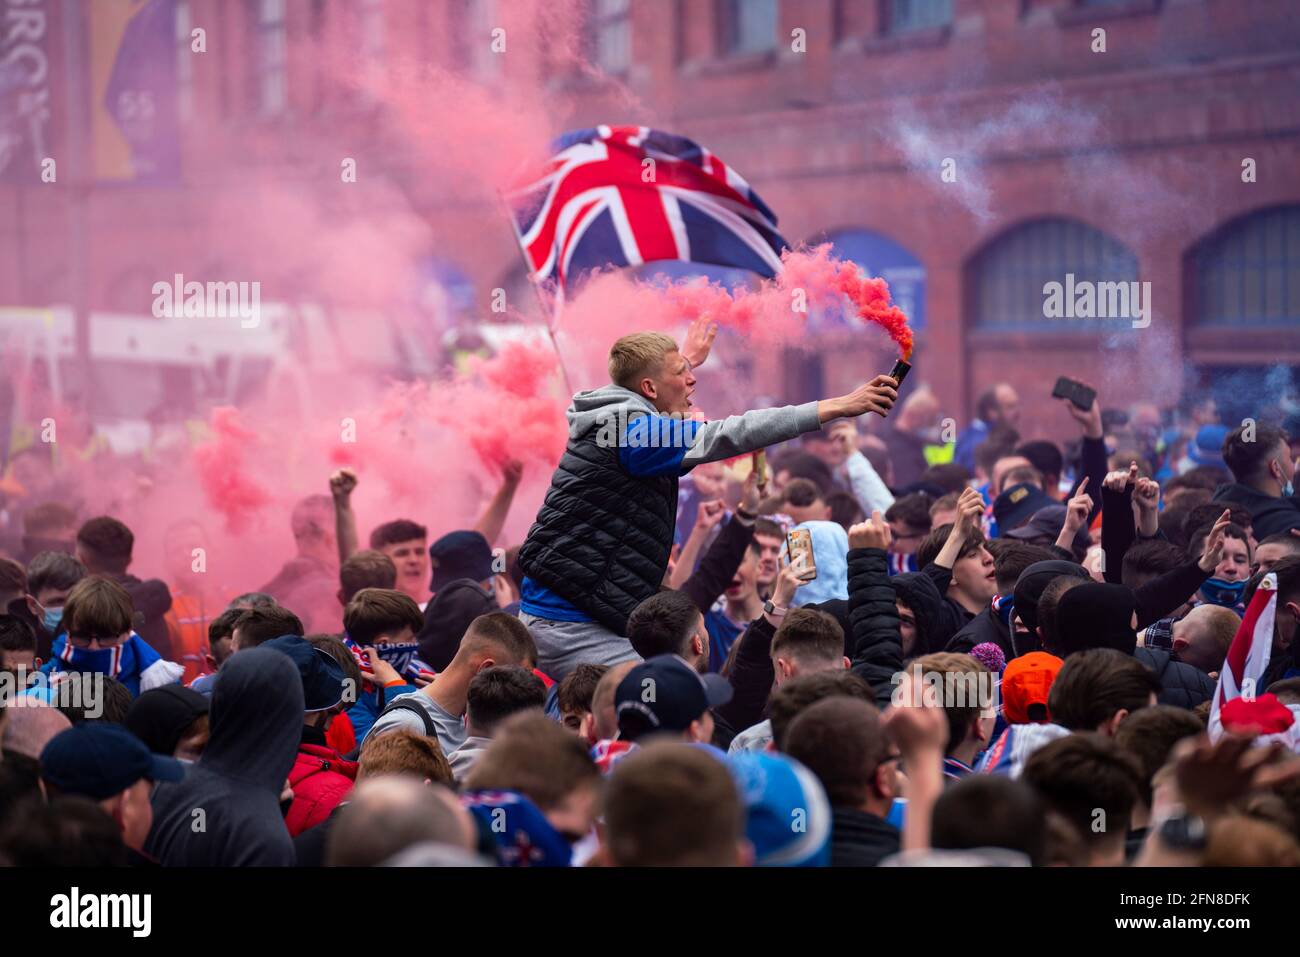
[799, 544]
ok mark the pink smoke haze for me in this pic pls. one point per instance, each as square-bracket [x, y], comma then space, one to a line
[614, 304]
[271, 203]
[223, 470]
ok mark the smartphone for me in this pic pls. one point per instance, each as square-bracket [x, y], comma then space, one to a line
[1113, 419]
[800, 549]
[900, 371]
[1078, 393]
[759, 460]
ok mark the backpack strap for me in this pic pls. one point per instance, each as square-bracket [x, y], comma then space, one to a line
[404, 704]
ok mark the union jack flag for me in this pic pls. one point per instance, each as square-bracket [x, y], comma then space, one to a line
[627, 195]
[1248, 655]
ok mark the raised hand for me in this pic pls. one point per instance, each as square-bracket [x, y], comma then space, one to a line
[844, 440]
[1089, 419]
[1213, 550]
[1120, 479]
[873, 533]
[1146, 503]
[970, 508]
[342, 484]
[1077, 511]
[710, 513]
[511, 472]
[788, 581]
[699, 340]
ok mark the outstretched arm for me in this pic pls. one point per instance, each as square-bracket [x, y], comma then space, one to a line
[493, 518]
[691, 443]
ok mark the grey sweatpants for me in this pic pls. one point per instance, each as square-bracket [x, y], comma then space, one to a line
[563, 645]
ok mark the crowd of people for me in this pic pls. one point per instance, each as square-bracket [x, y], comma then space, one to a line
[993, 650]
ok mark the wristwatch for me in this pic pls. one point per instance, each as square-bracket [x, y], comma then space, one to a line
[772, 608]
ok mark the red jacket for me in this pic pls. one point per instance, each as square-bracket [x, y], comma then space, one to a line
[320, 779]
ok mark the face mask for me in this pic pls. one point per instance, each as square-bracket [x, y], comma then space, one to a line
[51, 620]
[105, 661]
[1288, 487]
[1219, 592]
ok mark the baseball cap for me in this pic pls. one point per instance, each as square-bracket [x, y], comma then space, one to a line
[98, 760]
[1025, 686]
[665, 693]
[159, 716]
[463, 554]
[1047, 523]
[1016, 504]
[322, 676]
[522, 834]
[778, 792]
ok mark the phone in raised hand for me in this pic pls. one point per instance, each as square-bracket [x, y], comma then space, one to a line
[1081, 395]
[799, 546]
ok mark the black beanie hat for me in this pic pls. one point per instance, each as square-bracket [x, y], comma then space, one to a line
[1032, 581]
[1096, 616]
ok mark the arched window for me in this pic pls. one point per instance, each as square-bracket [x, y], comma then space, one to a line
[880, 256]
[1247, 273]
[1011, 279]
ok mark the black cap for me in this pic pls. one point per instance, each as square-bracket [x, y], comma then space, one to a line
[1016, 504]
[322, 676]
[664, 693]
[98, 760]
[1047, 523]
[464, 554]
[160, 716]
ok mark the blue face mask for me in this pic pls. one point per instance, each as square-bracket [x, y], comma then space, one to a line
[1288, 487]
[1216, 591]
[51, 620]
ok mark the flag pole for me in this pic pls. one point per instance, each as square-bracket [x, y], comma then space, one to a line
[551, 312]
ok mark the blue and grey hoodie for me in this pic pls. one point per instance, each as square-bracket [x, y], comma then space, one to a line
[652, 444]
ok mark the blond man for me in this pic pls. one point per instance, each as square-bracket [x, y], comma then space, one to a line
[602, 537]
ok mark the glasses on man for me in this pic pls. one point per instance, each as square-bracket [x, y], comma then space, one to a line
[95, 641]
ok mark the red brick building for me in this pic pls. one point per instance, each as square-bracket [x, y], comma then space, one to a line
[978, 148]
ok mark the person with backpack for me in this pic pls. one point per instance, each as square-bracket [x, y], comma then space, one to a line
[438, 709]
